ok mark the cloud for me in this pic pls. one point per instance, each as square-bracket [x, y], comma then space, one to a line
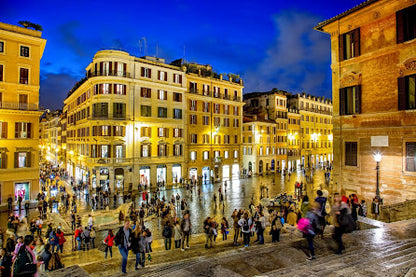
[68, 31]
[298, 60]
[54, 88]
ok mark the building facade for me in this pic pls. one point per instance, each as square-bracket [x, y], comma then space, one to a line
[20, 52]
[49, 137]
[373, 50]
[213, 124]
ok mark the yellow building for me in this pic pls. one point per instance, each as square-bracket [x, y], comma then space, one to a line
[125, 122]
[213, 124]
[262, 150]
[20, 52]
[373, 50]
[293, 139]
[316, 129]
[49, 136]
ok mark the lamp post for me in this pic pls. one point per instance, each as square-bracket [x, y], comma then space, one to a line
[377, 157]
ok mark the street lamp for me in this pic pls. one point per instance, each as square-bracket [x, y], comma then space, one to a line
[377, 157]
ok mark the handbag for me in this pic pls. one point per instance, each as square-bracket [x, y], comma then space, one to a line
[346, 222]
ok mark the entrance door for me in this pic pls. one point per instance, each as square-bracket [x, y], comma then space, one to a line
[226, 172]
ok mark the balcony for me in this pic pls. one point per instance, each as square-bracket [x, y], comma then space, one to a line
[217, 95]
[199, 92]
[109, 161]
[18, 106]
[108, 73]
[226, 97]
[237, 98]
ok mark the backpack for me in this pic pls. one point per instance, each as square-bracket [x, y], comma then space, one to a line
[55, 262]
[245, 226]
[167, 232]
[304, 225]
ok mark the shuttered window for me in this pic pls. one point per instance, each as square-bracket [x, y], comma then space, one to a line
[3, 129]
[351, 153]
[24, 76]
[406, 24]
[411, 156]
[407, 92]
[350, 100]
[1, 73]
[349, 45]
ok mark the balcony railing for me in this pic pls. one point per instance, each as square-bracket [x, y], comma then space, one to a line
[215, 95]
[316, 111]
[18, 106]
[109, 160]
[108, 73]
[226, 97]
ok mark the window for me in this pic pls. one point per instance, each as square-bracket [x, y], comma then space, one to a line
[162, 132]
[193, 155]
[105, 130]
[351, 153]
[217, 154]
[22, 159]
[3, 159]
[217, 139]
[226, 154]
[100, 110]
[407, 92]
[1, 72]
[119, 110]
[206, 107]
[192, 119]
[23, 130]
[226, 109]
[177, 78]
[216, 108]
[205, 138]
[145, 110]
[193, 87]
[3, 129]
[217, 121]
[249, 150]
[235, 110]
[194, 138]
[177, 97]
[192, 105]
[177, 150]
[349, 45]
[146, 92]
[162, 112]
[250, 139]
[1, 46]
[177, 132]
[162, 94]
[146, 72]
[235, 154]
[206, 155]
[24, 76]
[162, 150]
[411, 156]
[146, 131]
[24, 51]
[177, 113]
[216, 92]
[205, 89]
[244, 150]
[236, 122]
[120, 89]
[23, 101]
[235, 138]
[226, 139]
[226, 122]
[406, 24]
[205, 120]
[118, 151]
[118, 131]
[350, 100]
[145, 150]
[162, 76]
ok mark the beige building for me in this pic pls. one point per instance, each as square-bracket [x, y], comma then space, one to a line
[373, 50]
[49, 136]
[20, 52]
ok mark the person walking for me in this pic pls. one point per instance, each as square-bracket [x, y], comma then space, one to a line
[109, 241]
[10, 203]
[139, 246]
[313, 215]
[123, 241]
[86, 238]
[167, 234]
[61, 239]
[53, 240]
[260, 227]
[27, 206]
[92, 236]
[339, 207]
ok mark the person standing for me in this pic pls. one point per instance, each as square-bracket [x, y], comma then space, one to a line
[92, 235]
[138, 246]
[19, 201]
[186, 229]
[90, 221]
[224, 228]
[27, 206]
[375, 208]
[245, 223]
[236, 218]
[109, 241]
[25, 262]
[61, 239]
[208, 232]
[167, 234]
[338, 209]
[123, 241]
[77, 236]
[5, 263]
[178, 235]
[10, 203]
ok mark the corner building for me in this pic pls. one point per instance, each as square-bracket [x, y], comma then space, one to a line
[125, 122]
[20, 52]
[373, 50]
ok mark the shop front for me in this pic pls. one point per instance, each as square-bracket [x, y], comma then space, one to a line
[235, 171]
[193, 174]
[272, 165]
[176, 173]
[260, 167]
[161, 175]
[225, 172]
[119, 179]
[104, 179]
[22, 189]
[144, 173]
[206, 175]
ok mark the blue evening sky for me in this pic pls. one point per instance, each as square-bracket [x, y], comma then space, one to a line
[270, 44]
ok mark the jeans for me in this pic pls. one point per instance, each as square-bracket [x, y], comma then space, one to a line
[124, 254]
[79, 244]
[168, 243]
[208, 239]
[236, 233]
[60, 248]
[140, 259]
[224, 235]
[150, 246]
[92, 243]
[246, 237]
[260, 236]
[53, 247]
[309, 239]
[185, 236]
[177, 244]
[109, 248]
[338, 238]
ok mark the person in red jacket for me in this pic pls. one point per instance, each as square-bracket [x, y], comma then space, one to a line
[77, 236]
[109, 241]
[61, 239]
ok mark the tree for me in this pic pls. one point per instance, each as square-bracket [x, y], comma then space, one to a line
[28, 24]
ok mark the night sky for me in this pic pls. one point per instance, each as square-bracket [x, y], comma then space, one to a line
[270, 44]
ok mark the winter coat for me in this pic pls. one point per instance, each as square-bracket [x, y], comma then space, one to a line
[109, 240]
[178, 232]
[61, 238]
[53, 239]
[138, 244]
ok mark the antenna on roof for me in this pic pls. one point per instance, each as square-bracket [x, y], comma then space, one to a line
[144, 45]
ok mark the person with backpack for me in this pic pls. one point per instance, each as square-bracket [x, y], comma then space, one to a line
[321, 199]
[338, 209]
[208, 232]
[245, 222]
[260, 227]
[276, 226]
[109, 241]
[123, 241]
[5, 263]
[167, 234]
[25, 263]
[77, 236]
[86, 237]
[61, 239]
[53, 240]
